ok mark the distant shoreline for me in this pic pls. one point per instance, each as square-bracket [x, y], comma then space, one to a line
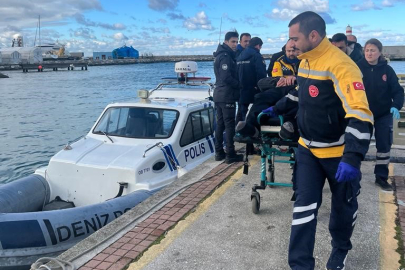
[142, 60]
[151, 59]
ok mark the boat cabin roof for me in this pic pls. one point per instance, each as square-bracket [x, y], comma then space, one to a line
[175, 98]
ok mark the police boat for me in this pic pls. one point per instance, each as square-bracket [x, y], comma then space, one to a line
[134, 149]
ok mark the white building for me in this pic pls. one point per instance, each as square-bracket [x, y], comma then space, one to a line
[30, 55]
[10, 56]
[21, 55]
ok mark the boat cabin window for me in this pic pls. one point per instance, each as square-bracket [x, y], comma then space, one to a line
[199, 125]
[137, 122]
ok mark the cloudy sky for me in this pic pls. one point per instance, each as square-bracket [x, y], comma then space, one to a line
[180, 27]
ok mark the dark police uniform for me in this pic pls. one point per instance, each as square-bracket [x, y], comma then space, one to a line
[383, 92]
[335, 125]
[226, 94]
[251, 68]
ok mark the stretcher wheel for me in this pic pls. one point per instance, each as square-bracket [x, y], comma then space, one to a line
[255, 198]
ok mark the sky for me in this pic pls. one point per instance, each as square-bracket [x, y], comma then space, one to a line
[188, 27]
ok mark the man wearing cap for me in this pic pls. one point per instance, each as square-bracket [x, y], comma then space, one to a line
[251, 68]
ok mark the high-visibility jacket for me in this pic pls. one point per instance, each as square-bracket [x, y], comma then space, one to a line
[282, 68]
[334, 118]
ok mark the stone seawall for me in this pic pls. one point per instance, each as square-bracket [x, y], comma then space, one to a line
[154, 59]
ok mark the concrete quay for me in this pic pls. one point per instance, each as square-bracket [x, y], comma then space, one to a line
[209, 224]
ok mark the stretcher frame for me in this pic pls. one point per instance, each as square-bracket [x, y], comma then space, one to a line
[269, 144]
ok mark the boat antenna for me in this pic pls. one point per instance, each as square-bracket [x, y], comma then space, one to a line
[220, 28]
[39, 29]
[36, 32]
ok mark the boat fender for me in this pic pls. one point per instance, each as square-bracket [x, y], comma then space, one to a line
[121, 190]
[28, 194]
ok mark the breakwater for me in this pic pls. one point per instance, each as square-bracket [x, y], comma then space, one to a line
[126, 61]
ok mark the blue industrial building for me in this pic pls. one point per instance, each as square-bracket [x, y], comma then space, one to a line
[125, 52]
[102, 55]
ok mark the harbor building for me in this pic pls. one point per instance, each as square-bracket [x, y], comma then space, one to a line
[125, 52]
[102, 56]
[10, 56]
[21, 55]
[77, 55]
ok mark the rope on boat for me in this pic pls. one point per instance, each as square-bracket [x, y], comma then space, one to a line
[47, 263]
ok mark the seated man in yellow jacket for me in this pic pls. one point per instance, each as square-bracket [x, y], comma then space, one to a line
[286, 66]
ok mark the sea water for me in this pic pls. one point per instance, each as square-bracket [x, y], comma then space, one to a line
[40, 112]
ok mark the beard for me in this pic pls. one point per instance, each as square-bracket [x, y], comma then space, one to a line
[306, 48]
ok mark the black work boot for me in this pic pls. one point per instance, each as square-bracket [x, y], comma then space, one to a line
[220, 155]
[337, 259]
[233, 157]
[383, 183]
[287, 131]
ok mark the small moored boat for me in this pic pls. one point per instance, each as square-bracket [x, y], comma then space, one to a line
[134, 149]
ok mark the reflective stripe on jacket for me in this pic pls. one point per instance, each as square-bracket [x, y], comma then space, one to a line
[334, 118]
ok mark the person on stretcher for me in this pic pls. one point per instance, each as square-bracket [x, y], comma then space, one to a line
[267, 102]
[273, 89]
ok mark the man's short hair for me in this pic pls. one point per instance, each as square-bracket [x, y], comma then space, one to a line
[244, 34]
[255, 41]
[231, 34]
[309, 21]
[339, 37]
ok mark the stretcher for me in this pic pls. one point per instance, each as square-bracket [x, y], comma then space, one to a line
[271, 146]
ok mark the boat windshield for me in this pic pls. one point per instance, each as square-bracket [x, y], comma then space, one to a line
[137, 122]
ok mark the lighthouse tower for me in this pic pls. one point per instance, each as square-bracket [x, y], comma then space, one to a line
[349, 30]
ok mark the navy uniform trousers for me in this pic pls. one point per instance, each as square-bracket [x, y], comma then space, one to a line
[225, 122]
[310, 174]
[383, 140]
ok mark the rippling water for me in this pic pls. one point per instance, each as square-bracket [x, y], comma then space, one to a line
[41, 112]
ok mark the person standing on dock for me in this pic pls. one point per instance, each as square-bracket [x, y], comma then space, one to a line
[335, 126]
[226, 94]
[251, 69]
[386, 97]
[353, 46]
[243, 43]
[340, 41]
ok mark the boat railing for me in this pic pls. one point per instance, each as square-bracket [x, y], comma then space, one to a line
[68, 145]
[159, 144]
[196, 103]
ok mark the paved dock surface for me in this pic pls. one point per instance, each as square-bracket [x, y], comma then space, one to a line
[205, 227]
[229, 236]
